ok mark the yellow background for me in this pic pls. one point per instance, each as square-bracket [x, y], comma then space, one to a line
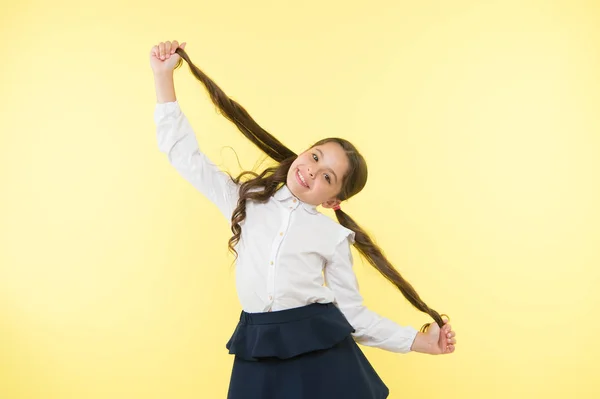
[479, 120]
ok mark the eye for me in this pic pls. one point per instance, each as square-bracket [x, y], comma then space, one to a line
[315, 157]
[328, 179]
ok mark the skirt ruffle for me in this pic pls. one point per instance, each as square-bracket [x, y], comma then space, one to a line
[290, 333]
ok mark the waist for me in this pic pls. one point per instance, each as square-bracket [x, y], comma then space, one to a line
[287, 315]
[262, 298]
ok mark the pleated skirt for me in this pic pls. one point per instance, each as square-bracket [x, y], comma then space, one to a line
[300, 353]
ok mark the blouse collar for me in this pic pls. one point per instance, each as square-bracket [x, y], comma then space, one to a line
[284, 194]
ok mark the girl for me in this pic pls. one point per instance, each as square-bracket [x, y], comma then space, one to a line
[302, 310]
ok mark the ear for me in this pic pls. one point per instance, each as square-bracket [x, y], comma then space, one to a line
[331, 203]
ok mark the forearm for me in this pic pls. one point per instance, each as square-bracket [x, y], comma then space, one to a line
[165, 87]
[371, 329]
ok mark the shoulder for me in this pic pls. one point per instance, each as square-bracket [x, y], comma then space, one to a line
[334, 230]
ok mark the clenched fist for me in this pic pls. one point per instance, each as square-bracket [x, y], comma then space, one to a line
[163, 57]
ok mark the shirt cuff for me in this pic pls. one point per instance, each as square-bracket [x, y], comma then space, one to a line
[163, 109]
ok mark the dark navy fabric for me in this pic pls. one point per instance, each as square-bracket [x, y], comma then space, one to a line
[300, 353]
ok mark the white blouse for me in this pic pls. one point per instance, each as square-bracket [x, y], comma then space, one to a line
[290, 254]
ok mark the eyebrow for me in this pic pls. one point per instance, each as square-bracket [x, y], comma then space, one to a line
[323, 156]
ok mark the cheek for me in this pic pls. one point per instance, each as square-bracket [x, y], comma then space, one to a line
[324, 188]
[290, 176]
[294, 166]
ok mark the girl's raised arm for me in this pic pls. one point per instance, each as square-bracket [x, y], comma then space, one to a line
[177, 139]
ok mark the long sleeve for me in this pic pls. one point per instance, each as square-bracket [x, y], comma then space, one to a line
[177, 139]
[371, 329]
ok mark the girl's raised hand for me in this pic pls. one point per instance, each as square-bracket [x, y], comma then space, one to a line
[163, 57]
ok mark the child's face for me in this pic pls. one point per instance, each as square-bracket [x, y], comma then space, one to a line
[316, 175]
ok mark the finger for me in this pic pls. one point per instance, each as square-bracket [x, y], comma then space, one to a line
[154, 51]
[161, 50]
[167, 49]
[174, 46]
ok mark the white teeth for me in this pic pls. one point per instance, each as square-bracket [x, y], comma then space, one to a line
[302, 178]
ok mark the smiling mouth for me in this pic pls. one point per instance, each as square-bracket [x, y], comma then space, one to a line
[301, 179]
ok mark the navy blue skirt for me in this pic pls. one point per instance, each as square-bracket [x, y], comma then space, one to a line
[300, 353]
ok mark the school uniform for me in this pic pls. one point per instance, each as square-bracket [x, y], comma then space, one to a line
[302, 311]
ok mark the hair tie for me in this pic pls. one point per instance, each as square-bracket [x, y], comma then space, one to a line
[336, 208]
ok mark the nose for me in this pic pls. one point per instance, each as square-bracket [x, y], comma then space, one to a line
[310, 172]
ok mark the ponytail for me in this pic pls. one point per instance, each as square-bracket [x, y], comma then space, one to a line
[374, 255]
[235, 113]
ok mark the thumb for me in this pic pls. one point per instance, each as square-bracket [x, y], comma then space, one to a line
[433, 330]
[182, 45]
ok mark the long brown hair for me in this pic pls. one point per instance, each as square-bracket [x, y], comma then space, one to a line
[260, 187]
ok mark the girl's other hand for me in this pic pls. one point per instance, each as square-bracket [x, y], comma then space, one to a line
[163, 57]
[435, 340]
[444, 338]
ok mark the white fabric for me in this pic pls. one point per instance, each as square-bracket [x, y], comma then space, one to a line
[290, 255]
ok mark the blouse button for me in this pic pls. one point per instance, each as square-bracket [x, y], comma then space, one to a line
[281, 233]
[270, 297]
[295, 200]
